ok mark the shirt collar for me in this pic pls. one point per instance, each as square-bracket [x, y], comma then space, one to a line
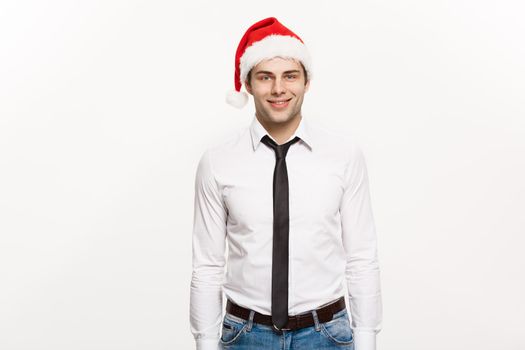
[258, 131]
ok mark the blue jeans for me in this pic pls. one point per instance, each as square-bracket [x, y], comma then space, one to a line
[239, 334]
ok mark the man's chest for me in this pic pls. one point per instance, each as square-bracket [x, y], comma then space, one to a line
[315, 190]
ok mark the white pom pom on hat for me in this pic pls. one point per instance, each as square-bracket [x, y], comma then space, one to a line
[267, 38]
[237, 99]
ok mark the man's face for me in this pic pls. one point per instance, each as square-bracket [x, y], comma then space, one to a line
[278, 87]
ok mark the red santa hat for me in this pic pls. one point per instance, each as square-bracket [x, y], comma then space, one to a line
[265, 39]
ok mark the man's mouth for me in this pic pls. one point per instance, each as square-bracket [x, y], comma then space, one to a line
[279, 103]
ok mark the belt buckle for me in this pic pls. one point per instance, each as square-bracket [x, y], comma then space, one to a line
[282, 329]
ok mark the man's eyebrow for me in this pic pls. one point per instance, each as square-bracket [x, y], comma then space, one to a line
[270, 73]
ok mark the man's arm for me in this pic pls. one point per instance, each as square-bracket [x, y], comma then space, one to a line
[208, 248]
[359, 241]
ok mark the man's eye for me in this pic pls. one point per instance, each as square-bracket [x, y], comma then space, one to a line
[291, 76]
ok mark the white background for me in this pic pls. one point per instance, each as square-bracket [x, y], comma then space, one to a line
[107, 106]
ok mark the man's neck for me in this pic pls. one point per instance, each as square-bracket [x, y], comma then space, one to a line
[281, 132]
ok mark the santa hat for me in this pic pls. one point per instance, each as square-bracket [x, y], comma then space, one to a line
[265, 39]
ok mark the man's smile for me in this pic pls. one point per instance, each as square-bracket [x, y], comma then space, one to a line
[279, 103]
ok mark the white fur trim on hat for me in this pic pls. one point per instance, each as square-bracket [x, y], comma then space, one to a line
[237, 99]
[272, 46]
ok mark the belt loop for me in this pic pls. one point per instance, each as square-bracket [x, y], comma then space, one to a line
[250, 321]
[316, 321]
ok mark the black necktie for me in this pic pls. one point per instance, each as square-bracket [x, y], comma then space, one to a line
[281, 227]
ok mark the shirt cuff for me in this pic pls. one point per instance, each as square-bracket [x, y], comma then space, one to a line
[364, 340]
[207, 344]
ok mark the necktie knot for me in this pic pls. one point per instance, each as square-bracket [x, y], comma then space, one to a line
[280, 150]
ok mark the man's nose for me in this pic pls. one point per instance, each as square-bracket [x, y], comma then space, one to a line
[278, 87]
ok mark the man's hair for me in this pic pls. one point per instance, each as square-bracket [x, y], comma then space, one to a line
[249, 76]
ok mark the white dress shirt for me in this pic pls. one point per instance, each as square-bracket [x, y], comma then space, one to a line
[332, 232]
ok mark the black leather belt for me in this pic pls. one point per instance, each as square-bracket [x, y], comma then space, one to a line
[324, 314]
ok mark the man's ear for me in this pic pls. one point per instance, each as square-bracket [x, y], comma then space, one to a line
[248, 87]
[307, 86]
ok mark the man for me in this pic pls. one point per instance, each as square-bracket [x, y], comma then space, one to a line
[291, 199]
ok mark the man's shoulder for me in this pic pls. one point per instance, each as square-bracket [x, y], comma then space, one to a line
[335, 138]
[226, 143]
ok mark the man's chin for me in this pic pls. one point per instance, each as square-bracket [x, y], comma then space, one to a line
[279, 118]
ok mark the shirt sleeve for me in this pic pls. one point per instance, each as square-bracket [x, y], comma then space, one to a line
[360, 244]
[208, 258]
